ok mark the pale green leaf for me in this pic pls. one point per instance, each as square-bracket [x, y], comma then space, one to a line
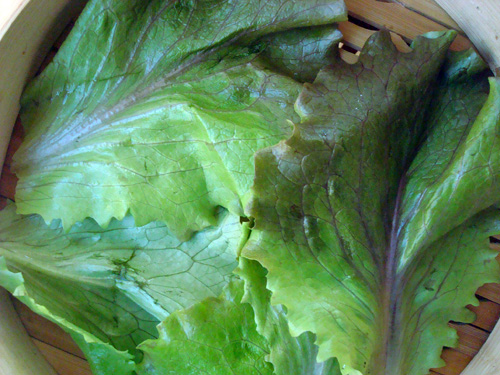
[157, 108]
[118, 283]
[103, 358]
[289, 355]
[217, 336]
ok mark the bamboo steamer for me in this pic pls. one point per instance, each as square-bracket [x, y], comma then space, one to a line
[28, 29]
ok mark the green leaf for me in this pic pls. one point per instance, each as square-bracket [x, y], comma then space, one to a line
[157, 108]
[118, 283]
[373, 219]
[217, 336]
[459, 163]
[301, 53]
[103, 358]
[289, 355]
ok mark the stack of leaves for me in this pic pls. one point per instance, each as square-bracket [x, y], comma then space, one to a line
[205, 187]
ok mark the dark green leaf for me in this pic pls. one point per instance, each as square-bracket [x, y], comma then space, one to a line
[373, 219]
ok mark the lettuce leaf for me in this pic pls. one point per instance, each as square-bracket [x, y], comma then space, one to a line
[289, 355]
[373, 219]
[103, 358]
[157, 108]
[116, 284]
[116, 289]
[215, 337]
[301, 53]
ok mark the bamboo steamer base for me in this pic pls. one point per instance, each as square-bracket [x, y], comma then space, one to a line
[406, 18]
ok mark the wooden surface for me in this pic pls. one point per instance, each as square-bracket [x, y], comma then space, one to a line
[407, 18]
[24, 41]
[479, 19]
[27, 31]
[10, 326]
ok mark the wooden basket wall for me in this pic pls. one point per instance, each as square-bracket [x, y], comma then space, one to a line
[407, 19]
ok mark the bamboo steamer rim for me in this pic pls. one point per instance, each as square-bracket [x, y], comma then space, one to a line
[28, 28]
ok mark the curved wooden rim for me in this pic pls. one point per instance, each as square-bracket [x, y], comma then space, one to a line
[479, 19]
[20, 55]
[13, 335]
